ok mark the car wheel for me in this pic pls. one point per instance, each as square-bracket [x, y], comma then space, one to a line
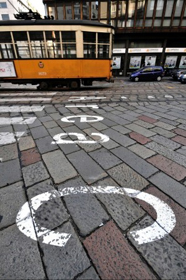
[136, 79]
[159, 78]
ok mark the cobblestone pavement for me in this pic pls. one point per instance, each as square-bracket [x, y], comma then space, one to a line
[93, 182]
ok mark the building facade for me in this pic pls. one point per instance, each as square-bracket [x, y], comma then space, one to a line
[147, 32]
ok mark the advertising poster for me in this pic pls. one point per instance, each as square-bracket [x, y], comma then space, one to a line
[135, 62]
[150, 60]
[183, 62]
[7, 69]
[116, 64]
[170, 61]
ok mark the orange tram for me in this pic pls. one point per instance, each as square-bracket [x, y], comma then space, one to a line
[54, 53]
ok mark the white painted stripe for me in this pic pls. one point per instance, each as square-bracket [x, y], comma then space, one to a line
[81, 138]
[82, 106]
[150, 96]
[28, 94]
[164, 224]
[124, 97]
[83, 118]
[19, 120]
[24, 99]
[168, 96]
[10, 137]
[79, 98]
[7, 109]
[1, 159]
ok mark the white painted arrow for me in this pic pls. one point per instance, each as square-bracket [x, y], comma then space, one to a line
[17, 120]
[163, 225]
[10, 137]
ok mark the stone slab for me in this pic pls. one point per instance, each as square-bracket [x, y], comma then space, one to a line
[89, 274]
[26, 143]
[138, 164]
[65, 262]
[45, 144]
[10, 172]
[58, 166]
[113, 257]
[34, 173]
[8, 152]
[165, 256]
[87, 167]
[141, 151]
[118, 137]
[171, 144]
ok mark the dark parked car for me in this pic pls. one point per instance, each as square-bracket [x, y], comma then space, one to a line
[176, 73]
[147, 73]
[182, 78]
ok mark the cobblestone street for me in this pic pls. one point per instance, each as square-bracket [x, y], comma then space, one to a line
[93, 182]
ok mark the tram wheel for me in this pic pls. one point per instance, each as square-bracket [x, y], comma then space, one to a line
[74, 84]
[43, 86]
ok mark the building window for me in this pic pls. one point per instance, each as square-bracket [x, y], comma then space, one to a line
[3, 5]
[5, 17]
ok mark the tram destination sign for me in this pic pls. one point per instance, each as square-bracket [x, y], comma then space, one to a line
[7, 69]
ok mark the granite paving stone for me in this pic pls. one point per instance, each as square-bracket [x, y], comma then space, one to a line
[26, 143]
[179, 231]
[165, 251]
[173, 155]
[180, 131]
[35, 124]
[127, 177]
[10, 172]
[118, 137]
[30, 156]
[180, 139]
[39, 132]
[168, 166]
[141, 151]
[147, 119]
[8, 152]
[45, 144]
[20, 257]
[139, 138]
[138, 164]
[166, 142]
[163, 132]
[89, 274]
[116, 119]
[8, 208]
[121, 129]
[105, 158]
[141, 130]
[58, 166]
[165, 125]
[86, 211]
[110, 144]
[55, 130]
[68, 261]
[52, 213]
[87, 167]
[50, 124]
[122, 208]
[99, 126]
[170, 186]
[34, 173]
[107, 247]
[144, 124]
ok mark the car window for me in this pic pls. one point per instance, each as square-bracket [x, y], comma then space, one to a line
[149, 69]
[157, 69]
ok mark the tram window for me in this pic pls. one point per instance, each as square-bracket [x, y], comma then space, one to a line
[89, 39]
[103, 51]
[53, 44]
[103, 38]
[21, 44]
[37, 44]
[7, 51]
[69, 44]
[89, 51]
[6, 46]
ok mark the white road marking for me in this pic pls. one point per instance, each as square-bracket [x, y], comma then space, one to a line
[79, 98]
[17, 120]
[82, 106]
[30, 99]
[124, 97]
[26, 223]
[83, 118]
[28, 94]
[168, 96]
[81, 138]
[10, 137]
[1, 159]
[150, 96]
[6, 109]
